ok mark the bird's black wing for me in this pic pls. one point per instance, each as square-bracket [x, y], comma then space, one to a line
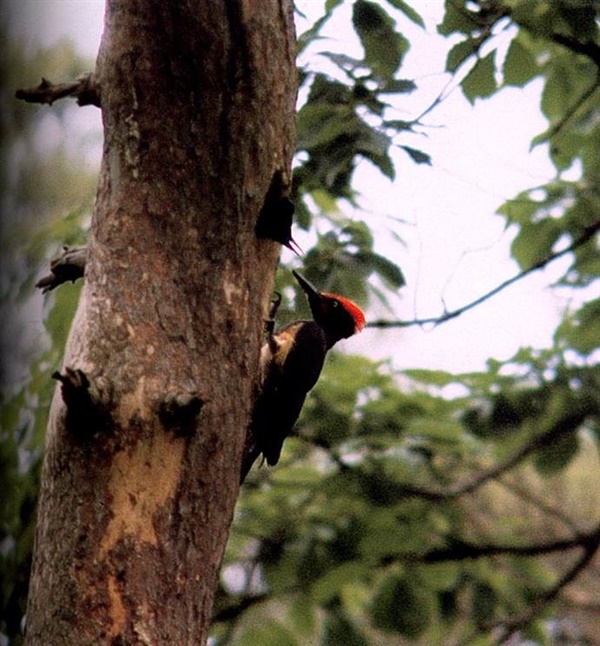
[286, 384]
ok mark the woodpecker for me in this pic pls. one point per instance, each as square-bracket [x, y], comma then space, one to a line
[275, 222]
[277, 214]
[291, 361]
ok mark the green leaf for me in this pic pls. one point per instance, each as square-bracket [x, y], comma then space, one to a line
[459, 54]
[332, 4]
[384, 47]
[326, 90]
[398, 124]
[418, 156]
[338, 630]
[357, 233]
[441, 576]
[444, 430]
[484, 602]
[580, 330]
[457, 18]
[388, 270]
[401, 605]
[383, 162]
[563, 85]
[480, 82]
[553, 458]
[431, 377]
[409, 12]
[538, 18]
[520, 210]
[520, 65]
[535, 241]
[268, 633]
[60, 316]
[399, 86]
[329, 586]
[538, 632]
[343, 61]
[322, 123]
[365, 97]
[302, 614]
[581, 17]
[374, 145]
[309, 36]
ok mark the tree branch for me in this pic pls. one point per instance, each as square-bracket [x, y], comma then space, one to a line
[463, 551]
[67, 267]
[84, 89]
[451, 492]
[589, 48]
[559, 125]
[455, 491]
[590, 544]
[525, 494]
[585, 236]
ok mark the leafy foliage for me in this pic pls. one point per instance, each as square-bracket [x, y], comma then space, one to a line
[367, 496]
[45, 198]
[350, 116]
[395, 492]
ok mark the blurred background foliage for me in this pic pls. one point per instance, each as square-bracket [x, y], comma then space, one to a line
[416, 507]
[47, 191]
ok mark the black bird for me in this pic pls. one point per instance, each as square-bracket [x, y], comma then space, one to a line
[291, 361]
[275, 222]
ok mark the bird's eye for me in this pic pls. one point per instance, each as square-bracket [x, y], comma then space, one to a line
[335, 304]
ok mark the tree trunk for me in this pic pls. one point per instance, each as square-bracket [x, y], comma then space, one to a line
[147, 427]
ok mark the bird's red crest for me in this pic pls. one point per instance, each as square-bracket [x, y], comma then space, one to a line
[353, 309]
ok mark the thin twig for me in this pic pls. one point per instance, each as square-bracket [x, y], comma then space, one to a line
[570, 113]
[587, 235]
[525, 493]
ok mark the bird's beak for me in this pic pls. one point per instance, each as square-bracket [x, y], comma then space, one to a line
[292, 245]
[308, 287]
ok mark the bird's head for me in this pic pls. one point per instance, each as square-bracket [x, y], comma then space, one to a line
[338, 316]
[275, 222]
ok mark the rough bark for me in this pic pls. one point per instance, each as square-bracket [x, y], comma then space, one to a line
[148, 422]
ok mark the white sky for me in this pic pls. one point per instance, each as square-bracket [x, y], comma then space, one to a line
[456, 248]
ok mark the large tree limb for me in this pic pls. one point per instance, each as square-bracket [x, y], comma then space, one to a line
[84, 89]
